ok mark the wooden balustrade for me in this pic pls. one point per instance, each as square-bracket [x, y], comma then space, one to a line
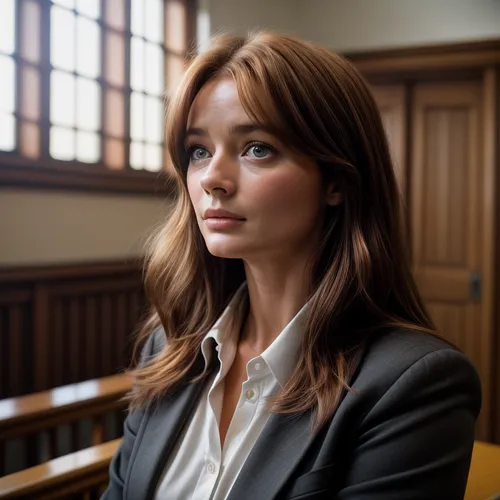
[82, 475]
[32, 416]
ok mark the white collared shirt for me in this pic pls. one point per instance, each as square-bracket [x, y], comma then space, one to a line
[198, 469]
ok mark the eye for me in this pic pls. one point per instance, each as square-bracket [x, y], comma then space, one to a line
[260, 150]
[198, 153]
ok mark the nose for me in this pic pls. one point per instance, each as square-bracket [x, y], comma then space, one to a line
[219, 178]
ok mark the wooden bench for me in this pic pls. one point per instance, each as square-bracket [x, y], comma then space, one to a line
[484, 475]
[83, 475]
[49, 410]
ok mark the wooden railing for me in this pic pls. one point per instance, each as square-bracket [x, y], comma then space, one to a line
[38, 418]
[65, 324]
[82, 475]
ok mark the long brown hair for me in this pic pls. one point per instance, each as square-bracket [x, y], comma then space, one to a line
[317, 103]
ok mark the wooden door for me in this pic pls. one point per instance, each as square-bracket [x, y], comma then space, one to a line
[447, 219]
[391, 101]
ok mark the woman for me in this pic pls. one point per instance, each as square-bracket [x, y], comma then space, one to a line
[288, 354]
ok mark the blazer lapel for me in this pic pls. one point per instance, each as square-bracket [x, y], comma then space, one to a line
[161, 428]
[279, 449]
[281, 445]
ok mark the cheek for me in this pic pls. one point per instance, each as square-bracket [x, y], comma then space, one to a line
[194, 187]
[287, 193]
[195, 193]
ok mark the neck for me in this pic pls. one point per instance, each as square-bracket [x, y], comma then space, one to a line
[276, 293]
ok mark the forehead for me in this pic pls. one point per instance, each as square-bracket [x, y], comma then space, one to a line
[217, 101]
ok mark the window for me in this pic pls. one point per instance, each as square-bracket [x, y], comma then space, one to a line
[75, 92]
[8, 80]
[83, 86]
[146, 81]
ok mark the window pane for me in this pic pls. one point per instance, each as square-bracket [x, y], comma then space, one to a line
[88, 58]
[203, 30]
[7, 96]
[87, 104]
[7, 137]
[87, 147]
[154, 120]
[154, 20]
[137, 155]
[154, 69]
[62, 143]
[152, 160]
[7, 26]
[70, 4]
[137, 17]
[89, 8]
[62, 98]
[30, 29]
[62, 38]
[137, 116]
[137, 64]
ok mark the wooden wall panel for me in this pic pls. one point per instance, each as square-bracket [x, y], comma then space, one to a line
[391, 101]
[453, 189]
[63, 325]
[491, 250]
[15, 348]
[447, 218]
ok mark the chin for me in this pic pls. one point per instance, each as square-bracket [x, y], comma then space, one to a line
[224, 246]
[224, 251]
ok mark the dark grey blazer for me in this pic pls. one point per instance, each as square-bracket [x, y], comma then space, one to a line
[405, 433]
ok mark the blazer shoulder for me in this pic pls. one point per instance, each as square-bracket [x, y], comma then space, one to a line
[391, 355]
[154, 345]
[410, 420]
[159, 340]
[403, 347]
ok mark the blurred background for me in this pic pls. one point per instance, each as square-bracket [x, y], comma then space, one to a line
[83, 183]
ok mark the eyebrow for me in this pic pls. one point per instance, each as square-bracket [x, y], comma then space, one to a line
[241, 129]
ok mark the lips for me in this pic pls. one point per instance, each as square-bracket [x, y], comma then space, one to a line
[218, 219]
[219, 213]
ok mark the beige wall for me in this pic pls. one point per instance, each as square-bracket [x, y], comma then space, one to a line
[241, 16]
[43, 227]
[368, 24]
[359, 24]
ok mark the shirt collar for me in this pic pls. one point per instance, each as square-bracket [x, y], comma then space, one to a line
[221, 329]
[283, 354]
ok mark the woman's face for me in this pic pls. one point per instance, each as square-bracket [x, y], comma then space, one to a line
[252, 196]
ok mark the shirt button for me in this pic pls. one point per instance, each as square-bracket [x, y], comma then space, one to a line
[257, 366]
[250, 394]
[210, 467]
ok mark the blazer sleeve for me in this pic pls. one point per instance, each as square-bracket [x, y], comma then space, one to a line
[416, 441]
[119, 463]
